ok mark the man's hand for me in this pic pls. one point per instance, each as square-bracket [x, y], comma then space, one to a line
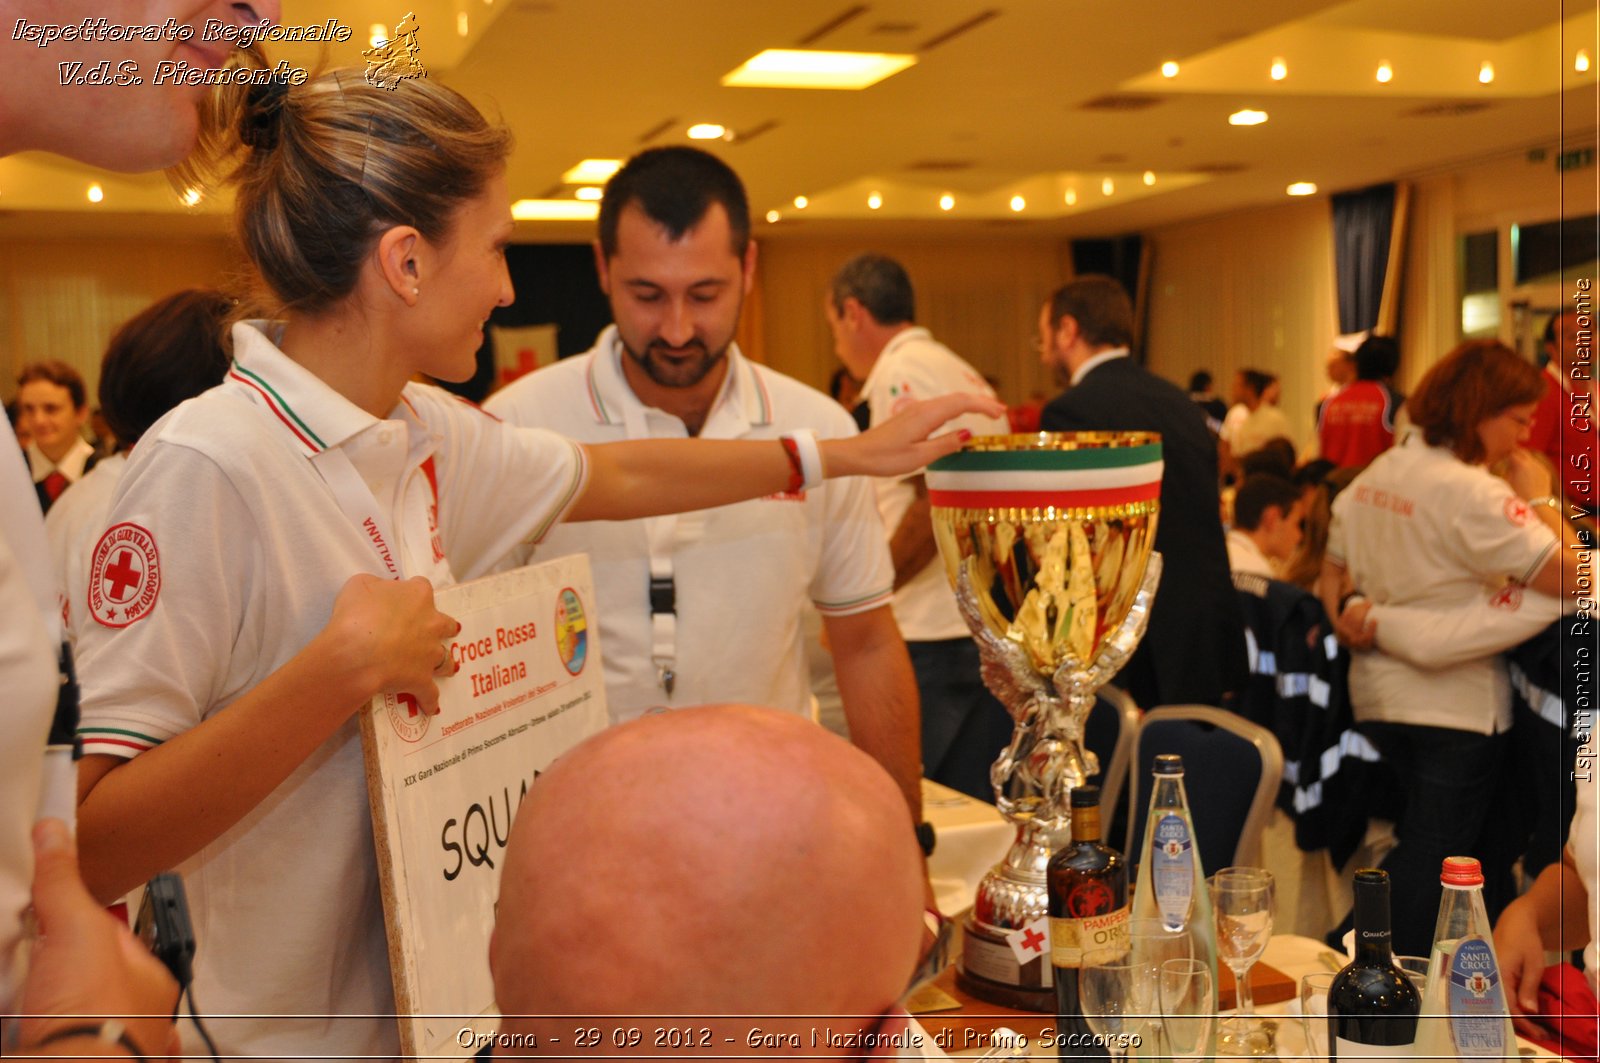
[86, 963]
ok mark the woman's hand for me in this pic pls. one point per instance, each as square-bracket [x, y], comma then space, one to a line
[1518, 946]
[904, 443]
[391, 633]
[1527, 475]
[1352, 625]
[86, 966]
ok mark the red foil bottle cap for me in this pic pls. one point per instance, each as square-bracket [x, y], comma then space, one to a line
[1461, 871]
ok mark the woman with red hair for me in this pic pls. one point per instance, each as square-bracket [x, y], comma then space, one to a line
[1428, 526]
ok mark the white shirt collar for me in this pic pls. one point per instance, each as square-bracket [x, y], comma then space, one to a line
[71, 463]
[1098, 360]
[904, 336]
[315, 414]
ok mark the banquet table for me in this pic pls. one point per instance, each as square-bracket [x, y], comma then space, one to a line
[1287, 954]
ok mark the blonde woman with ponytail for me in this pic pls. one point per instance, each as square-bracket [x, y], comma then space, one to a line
[273, 553]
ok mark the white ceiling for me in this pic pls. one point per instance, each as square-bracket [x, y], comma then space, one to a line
[1001, 102]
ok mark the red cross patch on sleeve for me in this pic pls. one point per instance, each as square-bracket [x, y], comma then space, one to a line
[124, 575]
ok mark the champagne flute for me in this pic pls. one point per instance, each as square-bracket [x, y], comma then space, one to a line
[1188, 999]
[1243, 898]
[1106, 988]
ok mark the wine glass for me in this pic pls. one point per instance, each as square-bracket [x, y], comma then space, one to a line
[1152, 943]
[1106, 989]
[1188, 998]
[1243, 898]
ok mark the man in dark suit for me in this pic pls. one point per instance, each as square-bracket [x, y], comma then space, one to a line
[1193, 651]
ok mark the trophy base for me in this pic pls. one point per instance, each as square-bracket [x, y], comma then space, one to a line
[989, 971]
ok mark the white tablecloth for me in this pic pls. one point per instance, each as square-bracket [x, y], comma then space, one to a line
[971, 837]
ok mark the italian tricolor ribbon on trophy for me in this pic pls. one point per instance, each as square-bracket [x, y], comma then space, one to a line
[1039, 479]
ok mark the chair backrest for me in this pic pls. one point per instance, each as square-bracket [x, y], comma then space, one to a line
[1109, 733]
[1232, 768]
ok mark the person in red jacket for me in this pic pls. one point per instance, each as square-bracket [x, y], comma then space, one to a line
[1357, 424]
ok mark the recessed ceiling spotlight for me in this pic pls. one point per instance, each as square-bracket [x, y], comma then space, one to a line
[1280, 69]
[1486, 73]
[1072, 197]
[874, 201]
[461, 23]
[1580, 62]
[1018, 204]
[801, 202]
[707, 131]
[1169, 69]
[1149, 177]
[590, 193]
[772, 217]
[1247, 117]
[1302, 188]
[1385, 73]
[190, 196]
[1107, 186]
[96, 193]
[947, 202]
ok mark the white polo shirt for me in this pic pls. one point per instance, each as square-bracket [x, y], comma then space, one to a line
[225, 550]
[911, 366]
[742, 572]
[1420, 527]
[28, 634]
[73, 526]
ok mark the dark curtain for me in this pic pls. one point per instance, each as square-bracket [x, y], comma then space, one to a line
[1119, 257]
[1363, 223]
[555, 283]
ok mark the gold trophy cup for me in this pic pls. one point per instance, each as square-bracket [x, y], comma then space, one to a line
[1046, 539]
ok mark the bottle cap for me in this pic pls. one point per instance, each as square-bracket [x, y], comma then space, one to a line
[1085, 796]
[1169, 764]
[1461, 871]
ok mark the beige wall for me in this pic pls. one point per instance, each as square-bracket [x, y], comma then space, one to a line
[980, 297]
[1250, 290]
[63, 298]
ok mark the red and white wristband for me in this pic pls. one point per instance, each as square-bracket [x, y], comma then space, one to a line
[805, 459]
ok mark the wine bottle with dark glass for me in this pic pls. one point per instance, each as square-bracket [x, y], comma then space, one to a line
[1088, 888]
[1372, 1005]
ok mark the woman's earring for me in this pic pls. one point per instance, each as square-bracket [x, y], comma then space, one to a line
[416, 291]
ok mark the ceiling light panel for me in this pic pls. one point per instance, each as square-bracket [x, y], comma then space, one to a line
[796, 68]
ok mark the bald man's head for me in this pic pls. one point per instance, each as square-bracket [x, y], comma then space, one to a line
[723, 859]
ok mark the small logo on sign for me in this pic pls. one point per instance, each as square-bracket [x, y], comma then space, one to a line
[124, 575]
[406, 714]
[572, 631]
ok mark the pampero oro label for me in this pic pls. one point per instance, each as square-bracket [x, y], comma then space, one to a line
[1072, 940]
[1172, 869]
[1476, 1001]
